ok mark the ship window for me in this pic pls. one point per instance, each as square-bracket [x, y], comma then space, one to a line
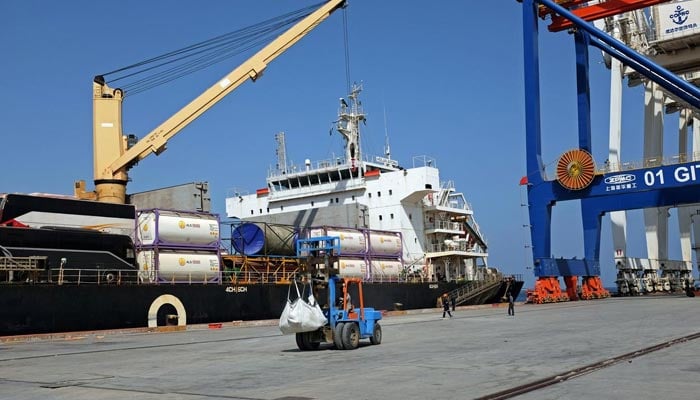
[281, 208]
[428, 186]
[336, 200]
[391, 192]
[380, 217]
[268, 209]
[252, 212]
[260, 211]
[392, 216]
[369, 195]
[410, 217]
[353, 198]
[379, 194]
[312, 204]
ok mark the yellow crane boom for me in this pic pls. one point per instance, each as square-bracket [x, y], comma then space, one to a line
[111, 157]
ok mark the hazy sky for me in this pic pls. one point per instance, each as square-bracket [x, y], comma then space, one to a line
[448, 76]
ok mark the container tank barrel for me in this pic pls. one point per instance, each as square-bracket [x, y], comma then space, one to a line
[251, 239]
[248, 239]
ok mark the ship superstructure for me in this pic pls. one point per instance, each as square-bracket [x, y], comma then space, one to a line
[441, 239]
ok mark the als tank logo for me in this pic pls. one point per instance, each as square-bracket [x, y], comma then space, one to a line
[680, 15]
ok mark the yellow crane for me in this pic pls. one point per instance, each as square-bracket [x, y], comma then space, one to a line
[111, 156]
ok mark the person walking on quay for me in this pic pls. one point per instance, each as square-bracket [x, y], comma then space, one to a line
[446, 306]
[511, 304]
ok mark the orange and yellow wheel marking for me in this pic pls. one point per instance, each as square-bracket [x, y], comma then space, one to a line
[575, 169]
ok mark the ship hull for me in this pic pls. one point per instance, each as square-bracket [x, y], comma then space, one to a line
[50, 308]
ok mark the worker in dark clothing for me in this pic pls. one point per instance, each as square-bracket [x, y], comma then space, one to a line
[689, 288]
[452, 303]
[446, 307]
[511, 304]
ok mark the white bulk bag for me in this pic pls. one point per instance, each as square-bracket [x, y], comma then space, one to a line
[301, 315]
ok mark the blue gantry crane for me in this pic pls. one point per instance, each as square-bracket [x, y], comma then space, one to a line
[577, 178]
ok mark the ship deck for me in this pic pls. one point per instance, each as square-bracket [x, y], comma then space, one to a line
[612, 348]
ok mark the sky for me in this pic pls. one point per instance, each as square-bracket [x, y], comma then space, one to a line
[443, 79]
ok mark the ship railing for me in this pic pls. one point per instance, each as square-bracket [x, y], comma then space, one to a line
[258, 277]
[515, 277]
[424, 161]
[451, 197]
[460, 245]
[445, 225]
[473, 288]
[134, 277]
[609, 167]
[111, 276]
[386, 278]
[187, 279]
[280, 193]
[22, 268]
[274, 172]
[92, 276]
[325, 164]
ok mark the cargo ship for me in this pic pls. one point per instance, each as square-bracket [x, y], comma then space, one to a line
[396, 224]
[76, 265]
[100, 260]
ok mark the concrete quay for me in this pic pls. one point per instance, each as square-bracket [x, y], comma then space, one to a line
[476, 354]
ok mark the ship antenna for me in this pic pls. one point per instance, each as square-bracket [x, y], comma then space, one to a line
[281, 153]
[387, 149]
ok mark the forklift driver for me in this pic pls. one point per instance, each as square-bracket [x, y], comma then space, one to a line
[347, 299]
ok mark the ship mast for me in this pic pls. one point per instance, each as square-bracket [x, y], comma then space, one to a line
[281, 153]
[348, 125]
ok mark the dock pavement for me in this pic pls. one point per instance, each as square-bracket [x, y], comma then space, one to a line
[618, 348]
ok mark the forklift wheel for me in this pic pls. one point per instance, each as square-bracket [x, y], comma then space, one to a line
[310, 343]
[305, 342]
[351, 336]
[301, 342]
[376, 337]
[338, 336]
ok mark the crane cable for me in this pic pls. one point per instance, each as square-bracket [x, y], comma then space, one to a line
[169, 66]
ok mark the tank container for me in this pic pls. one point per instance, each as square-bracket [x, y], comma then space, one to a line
[385, 244]
[356, 267]
[177, 229]
[264, 239]
[352, 241]
[386, 268]
[178, 266]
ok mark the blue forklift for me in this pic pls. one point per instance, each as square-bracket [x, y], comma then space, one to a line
[346, 323]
